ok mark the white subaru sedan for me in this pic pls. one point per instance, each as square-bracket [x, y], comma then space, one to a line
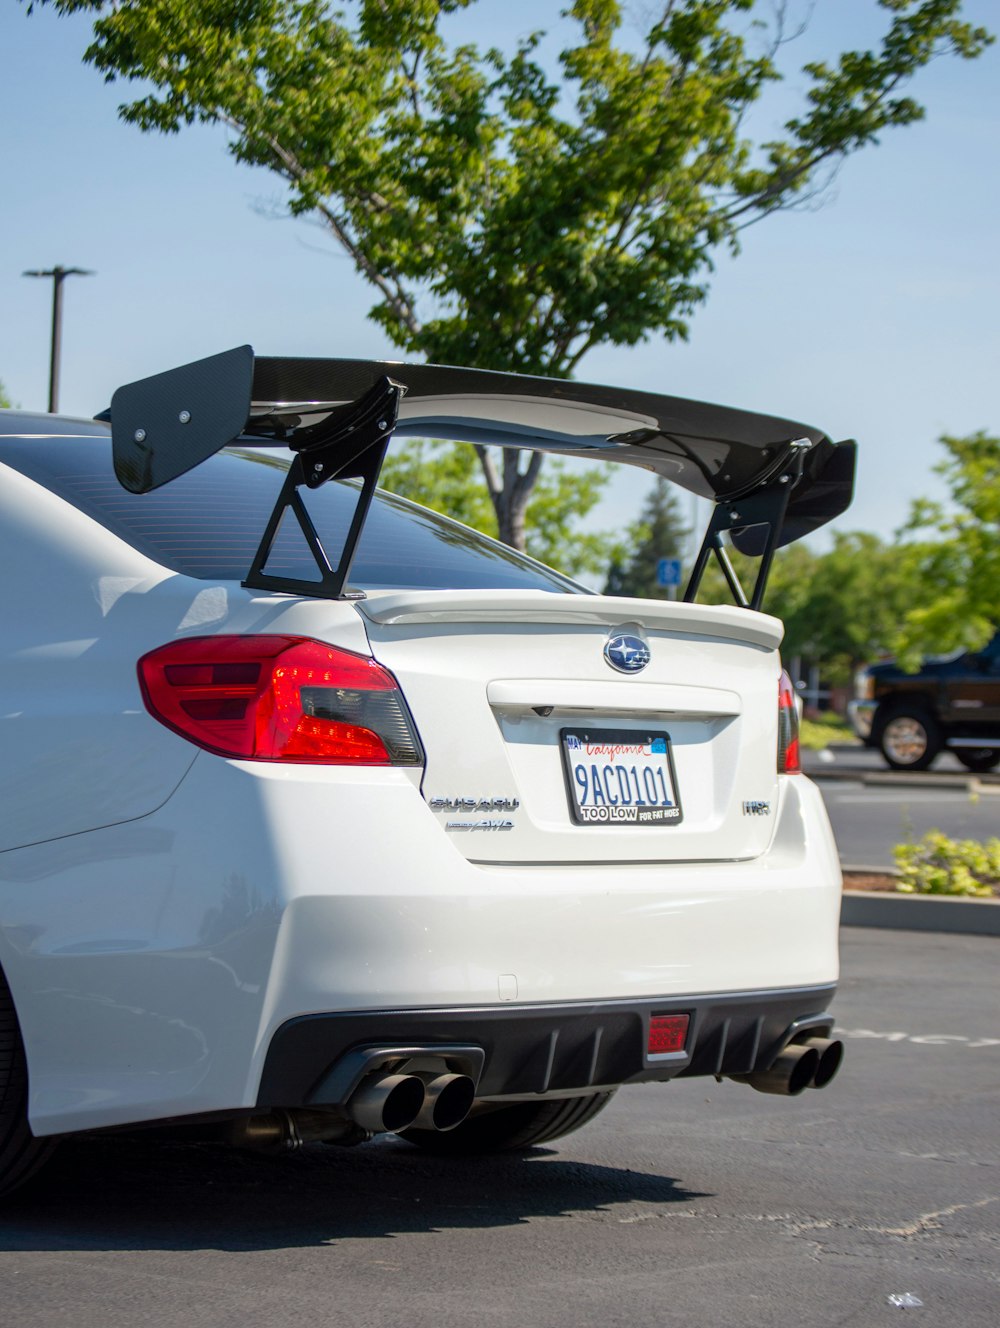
[324, 816]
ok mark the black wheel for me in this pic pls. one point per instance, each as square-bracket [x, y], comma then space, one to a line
[21, 1154]
[978, 758]
[512, 1129]
[909, 739]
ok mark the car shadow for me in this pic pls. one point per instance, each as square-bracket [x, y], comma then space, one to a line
[124, 1194]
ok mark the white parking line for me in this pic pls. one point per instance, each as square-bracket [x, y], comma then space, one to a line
[924, 1039]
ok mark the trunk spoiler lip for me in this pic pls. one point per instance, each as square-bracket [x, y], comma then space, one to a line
[773, 480]
[392, 608]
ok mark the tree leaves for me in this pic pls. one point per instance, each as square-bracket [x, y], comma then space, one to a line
[659, 533]
[509, 214]
[442, 476]
[955, 556]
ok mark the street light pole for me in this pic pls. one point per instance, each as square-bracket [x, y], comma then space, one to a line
[58, 275]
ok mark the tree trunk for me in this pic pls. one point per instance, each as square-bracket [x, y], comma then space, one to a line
[511, 510]
[511, 494]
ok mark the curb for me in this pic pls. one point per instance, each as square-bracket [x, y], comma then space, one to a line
[987, 782]
[980, 786]
[865, 869]
[916, 780]
[941, 780]
[967, 917]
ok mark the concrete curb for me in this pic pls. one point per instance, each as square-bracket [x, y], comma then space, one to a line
[917, 780]
[854, 869]
[968, 917]
[942, 780]
[988, 782]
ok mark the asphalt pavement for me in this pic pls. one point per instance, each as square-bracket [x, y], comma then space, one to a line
[693, 1203]
[872, 808]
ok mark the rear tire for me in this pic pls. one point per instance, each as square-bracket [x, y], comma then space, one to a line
[909, 739]
[977, 759]
[21, 1154]
[512, 1129]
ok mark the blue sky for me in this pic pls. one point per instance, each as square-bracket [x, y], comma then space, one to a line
[874, 316]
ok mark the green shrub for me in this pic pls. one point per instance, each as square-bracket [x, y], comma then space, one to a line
[829, 719]
[815, 734]
[938, 865]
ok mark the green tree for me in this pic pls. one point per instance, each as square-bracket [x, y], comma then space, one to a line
[5, 401]
[847, 610]
[954, 555]
[841, 608]
[787, 587]
[788, 591]
[507, 215]
[443, 476]
[657, 534]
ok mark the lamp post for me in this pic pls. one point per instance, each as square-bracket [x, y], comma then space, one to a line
[58, 275]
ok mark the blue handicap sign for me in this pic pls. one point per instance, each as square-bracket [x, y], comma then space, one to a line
[668, 572]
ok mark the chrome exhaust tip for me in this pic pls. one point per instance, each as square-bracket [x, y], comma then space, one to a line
[448, 1099]
[387, 1103]
[831, 1053]
[793, 1071]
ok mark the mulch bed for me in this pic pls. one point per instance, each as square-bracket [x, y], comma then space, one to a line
[870, 881]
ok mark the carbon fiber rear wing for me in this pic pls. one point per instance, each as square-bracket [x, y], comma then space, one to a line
[771, 480]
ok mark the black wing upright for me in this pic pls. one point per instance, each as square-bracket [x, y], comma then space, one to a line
[349, 443]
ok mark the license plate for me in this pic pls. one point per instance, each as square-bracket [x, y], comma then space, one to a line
[620, 777]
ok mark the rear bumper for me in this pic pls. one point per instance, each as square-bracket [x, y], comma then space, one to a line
[158, 966]
[543, 1050]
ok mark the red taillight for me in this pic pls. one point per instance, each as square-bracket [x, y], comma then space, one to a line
[667, 1032]
[788, 728]
[279, 698]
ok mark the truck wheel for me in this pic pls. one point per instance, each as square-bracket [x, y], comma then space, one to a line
[909, 739]
[514, 1128]
[978, 758]
[21, 1154]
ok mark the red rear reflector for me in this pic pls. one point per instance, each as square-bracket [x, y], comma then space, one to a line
[667, 1032]
[789, 762]
[279, 698]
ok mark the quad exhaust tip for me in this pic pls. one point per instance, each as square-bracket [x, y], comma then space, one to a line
[801, 1065]
[448, 1099]
[387, 1103]
[428, 1100]
[794, 1069]
[831, 1053]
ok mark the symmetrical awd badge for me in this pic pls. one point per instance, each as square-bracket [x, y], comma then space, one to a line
[480, 805]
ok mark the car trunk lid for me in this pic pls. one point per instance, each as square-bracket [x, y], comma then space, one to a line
[523, 719]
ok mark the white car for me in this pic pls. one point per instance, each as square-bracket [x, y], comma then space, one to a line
[314, 827]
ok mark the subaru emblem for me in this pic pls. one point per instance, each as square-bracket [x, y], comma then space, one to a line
[626, 653]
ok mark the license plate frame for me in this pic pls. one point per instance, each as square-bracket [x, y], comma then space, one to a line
[597, 744]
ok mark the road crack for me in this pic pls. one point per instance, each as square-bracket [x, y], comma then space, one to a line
[928, 1222]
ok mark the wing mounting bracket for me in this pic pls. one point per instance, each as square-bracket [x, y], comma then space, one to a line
[761, 511]
[349, 443]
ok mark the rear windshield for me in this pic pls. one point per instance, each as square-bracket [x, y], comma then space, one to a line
[208, 523]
